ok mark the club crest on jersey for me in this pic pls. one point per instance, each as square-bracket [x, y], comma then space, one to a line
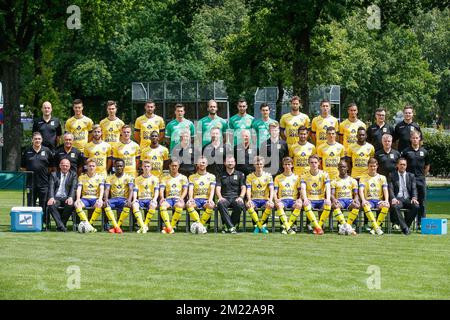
[97, 153]
[149, 126]
[201, 184]
[372, 185]
[314, 185]
[303, 154]
[421, 153]
[154, 158]
[79, 128]
[331, 154]
[111, 129]
[361, 154]
[259, 186]
[126, 153]
[353, 131]
[174, 186]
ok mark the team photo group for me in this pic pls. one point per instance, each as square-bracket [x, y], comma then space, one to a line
[237, 166]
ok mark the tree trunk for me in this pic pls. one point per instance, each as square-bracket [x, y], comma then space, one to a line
[279, 102]
[302, 47]
[12, 130]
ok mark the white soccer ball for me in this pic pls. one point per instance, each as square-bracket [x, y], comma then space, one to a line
[198, 228]
[345, 229]
[83, 227]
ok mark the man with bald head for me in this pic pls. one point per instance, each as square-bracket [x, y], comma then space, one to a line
[61, 193]
[48, 126]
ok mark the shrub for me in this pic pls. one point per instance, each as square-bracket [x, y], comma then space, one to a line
[437, 142]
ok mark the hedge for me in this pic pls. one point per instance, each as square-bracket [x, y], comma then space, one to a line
[437, 142]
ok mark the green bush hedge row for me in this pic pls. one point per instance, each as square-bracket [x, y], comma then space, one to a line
[437, 142]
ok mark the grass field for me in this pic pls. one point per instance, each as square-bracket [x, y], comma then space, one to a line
[217, 266]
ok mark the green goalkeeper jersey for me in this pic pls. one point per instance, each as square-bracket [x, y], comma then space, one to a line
[261, 128]
[206, 124]
[238, 123]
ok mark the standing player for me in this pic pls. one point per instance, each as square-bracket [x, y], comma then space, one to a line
[301, 152]
[260, 192]
[330, 153]
[418, 160]
[315, 192]
[261, 126]
[118, 195]
[146, 124]
[79, 126]
[173, 189]
[240, 121]
[322, 122]
[49, 127]
[291, 122]
[100, 151]
[344, 196]
[145, 195]
[111, 125]
[90, 193]
[286, 195]
[156, 154]
[373, 191]
[177, 125]
[212, 120]
[359, 154]
[128, 151]
[349, 127]
[201, 192]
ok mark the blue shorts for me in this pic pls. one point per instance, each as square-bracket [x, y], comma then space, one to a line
[259, 203]
[88, 202]
[317, 204]
[117, 203]
[200, 203]
[288, 203]
[345, 203]
[172, 201]
[374, 203]
[145, 203]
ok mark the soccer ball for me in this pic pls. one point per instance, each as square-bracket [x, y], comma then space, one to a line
[83, 227]
[346, 229]
[197, 228]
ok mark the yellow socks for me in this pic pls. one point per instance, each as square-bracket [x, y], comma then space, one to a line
[138, 216]
[254, 217]
[149, 216]
[311, 217]
[123, 215]
[293, 217]
[370, 216]
[193, 214]
[283, 219]
[111, 217]
[352, 216]
[206, 215]
[339, 216]
[325, 214]
[165, 216]
[95, 215]
[176, 216]
[81, 214]
[382, 216]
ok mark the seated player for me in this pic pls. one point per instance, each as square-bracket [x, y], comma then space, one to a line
[201, 192]
[173, 189]
[373, 191]
[286, 195]
[90, 193]
[120, 186]
[145, 195]
[344, 196]
[315, 191]
[260, 192]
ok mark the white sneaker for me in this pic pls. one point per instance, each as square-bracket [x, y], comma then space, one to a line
[379, 231]
[144, 229]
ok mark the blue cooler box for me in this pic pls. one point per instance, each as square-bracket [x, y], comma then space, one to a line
[26, 219]
[434, 226]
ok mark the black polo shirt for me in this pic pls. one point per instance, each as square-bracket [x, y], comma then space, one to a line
[75, 156]
[417, 160]
[387, 162]
[244, 158]
[38, 162]
[375, 133]
[187, 158]
[231, 184]
[49, 131]
[268, 148]
[216, 157]
[402, 133]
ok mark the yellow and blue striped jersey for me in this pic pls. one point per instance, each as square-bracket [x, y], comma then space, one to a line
[145, 126]
[291, 123]
[287, 186]
[111, 130]
[100, 153]
[90, 186]
[344, 188]
[331, 154]
[259, 186]
[146, 187]
[202, 184]
[173, 186]
[373, 186]
[300, 154]
[119, 187]
[80, 129]
[315, 185]
[319, 127]
[156, 156]
[360, 156]
[128, 152]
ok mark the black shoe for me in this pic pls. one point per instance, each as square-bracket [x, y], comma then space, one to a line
[61, 229]
[406, 231]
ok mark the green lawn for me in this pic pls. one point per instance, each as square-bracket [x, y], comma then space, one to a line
[217, 266]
